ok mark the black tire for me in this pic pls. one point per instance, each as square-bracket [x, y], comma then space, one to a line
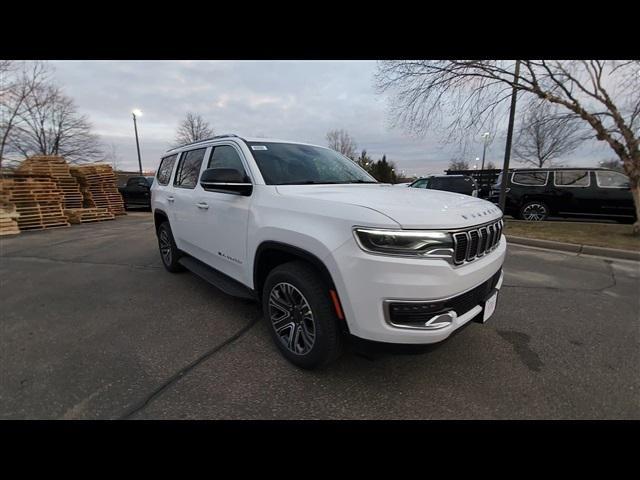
[169, 252]
[303, 349]
[534, 211]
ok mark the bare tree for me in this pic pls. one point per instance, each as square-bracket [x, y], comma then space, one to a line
[545, 134]
[51, 125]
[612, 164]
[605, 95]
[192, 129]
[341, 141]
[490, 166]
[111, 155]
[18, 80]
[458, 165]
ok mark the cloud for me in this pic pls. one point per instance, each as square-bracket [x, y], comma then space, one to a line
[297, 100]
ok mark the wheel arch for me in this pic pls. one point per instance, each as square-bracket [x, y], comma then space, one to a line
[159, 216]
[270, 254]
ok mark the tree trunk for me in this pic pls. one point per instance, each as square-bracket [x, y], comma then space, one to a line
[635, 191]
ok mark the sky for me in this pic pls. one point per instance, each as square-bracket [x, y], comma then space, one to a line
[292, 100]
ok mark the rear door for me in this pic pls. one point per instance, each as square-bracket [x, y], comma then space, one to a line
[614, 194]
[223, 216]
[185, 218]
[161, 191]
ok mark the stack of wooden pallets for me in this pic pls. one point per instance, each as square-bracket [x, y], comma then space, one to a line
[56, 168]
[38, 201]
[98, 187]
[85, 215]
[8, 218]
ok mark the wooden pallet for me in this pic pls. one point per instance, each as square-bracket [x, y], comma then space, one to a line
[8, 219]
[57, 168]
[37, 201]
[98, 187]
[85, 215]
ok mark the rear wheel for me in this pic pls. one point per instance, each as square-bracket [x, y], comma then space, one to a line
[534, 211]
[168, 250]
[302, 322]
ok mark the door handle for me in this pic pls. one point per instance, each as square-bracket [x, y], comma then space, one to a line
[202, 205]
[170, 199]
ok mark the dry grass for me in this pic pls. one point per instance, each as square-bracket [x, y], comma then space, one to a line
[611, 235]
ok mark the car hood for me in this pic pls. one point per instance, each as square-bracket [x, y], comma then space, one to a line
[411, 208]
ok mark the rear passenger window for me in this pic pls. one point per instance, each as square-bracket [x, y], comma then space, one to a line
[612, 180]
[189, 168]
[530, 178]
[165, 169]
[225, 156]
[572, 178]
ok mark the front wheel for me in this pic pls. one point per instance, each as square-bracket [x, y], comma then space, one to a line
[534, 211]
[300, 315]
[168, 250]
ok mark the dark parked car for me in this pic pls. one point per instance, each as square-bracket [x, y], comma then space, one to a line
[535, 194]
[136, 193]
[451, 183]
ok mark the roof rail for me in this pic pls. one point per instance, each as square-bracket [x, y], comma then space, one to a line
[225, 135]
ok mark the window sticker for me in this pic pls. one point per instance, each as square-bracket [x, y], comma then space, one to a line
[258, 147]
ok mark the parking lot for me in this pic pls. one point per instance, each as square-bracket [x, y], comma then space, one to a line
[93, 327]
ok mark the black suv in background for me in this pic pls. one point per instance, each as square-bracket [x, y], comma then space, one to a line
[535, 194]
[450, 183]
[137, 192]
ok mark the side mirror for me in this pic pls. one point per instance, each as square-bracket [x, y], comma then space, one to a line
[227, 180]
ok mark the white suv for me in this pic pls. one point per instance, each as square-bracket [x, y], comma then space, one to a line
[326, 249]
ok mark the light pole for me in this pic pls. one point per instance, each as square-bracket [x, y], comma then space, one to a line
[507, 148]
[136, 113]
[485, 136]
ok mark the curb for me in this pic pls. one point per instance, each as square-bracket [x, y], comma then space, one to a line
[575, 248]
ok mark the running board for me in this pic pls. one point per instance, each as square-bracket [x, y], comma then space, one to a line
[218, 279]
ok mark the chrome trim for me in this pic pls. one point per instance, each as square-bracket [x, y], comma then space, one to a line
[546, 180]
[491, 242]
[229, 184]
[386, 302]
[555, 177]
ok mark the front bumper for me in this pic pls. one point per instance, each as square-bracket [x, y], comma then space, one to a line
[368, 283]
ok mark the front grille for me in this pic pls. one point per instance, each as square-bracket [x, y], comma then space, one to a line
[476, 242]
[418, 313]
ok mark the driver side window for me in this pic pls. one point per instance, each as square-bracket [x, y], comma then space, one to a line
[225, 156]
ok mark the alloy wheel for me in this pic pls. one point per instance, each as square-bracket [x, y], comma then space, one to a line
[292, 318]
[165, 247]
[534, 212]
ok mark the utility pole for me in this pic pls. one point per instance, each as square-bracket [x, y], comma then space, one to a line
[507, 148]
[135, 127]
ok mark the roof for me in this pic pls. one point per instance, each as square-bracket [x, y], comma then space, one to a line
[206, 141]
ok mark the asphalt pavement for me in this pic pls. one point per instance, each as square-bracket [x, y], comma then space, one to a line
[93, 327]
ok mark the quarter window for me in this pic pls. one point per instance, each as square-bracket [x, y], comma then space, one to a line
[189, 168]
[225, 156]
[165, 169]
[530, 178]
[572, 178]
[612, 180]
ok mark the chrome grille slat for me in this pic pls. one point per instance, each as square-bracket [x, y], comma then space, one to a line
[476, 242]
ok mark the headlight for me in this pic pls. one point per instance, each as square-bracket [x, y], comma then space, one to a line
[405, 242]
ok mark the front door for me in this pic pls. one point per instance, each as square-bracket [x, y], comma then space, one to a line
[223, 218]
[614, 194]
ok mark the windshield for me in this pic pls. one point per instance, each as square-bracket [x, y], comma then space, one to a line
[292, 164]
[149, 180]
